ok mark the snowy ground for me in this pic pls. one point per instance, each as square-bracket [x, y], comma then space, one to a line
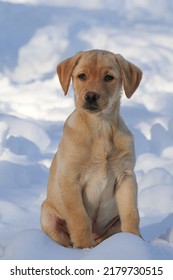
[35, 36]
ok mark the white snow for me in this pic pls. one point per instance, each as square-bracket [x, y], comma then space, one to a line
[35, 36]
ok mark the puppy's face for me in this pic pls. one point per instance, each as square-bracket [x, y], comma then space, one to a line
[97, 81]
[97, 78]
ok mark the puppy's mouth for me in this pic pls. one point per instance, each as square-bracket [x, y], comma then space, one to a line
[91, 108]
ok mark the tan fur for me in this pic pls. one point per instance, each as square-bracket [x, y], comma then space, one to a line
[92, 190]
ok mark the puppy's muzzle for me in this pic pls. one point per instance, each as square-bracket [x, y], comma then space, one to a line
[91, 101]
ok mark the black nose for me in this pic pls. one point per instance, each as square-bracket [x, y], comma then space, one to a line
[91, 97]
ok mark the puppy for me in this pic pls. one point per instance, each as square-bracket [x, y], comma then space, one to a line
[92, 190]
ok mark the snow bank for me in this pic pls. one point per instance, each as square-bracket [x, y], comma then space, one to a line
[121, 246]
[38, 246]
[33, 109]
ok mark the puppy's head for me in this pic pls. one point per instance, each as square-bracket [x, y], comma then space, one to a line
[97, 78]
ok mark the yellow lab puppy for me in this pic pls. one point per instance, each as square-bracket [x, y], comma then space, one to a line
[92, 190]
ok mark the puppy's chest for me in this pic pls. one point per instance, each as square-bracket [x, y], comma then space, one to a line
[100, 150]
[101, 145]
[98, 154]
[98, 177]
[98, 191]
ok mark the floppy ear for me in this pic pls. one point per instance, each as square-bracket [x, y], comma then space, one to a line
[131, 75]
[65, 69]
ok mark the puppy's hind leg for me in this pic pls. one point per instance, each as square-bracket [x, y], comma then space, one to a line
[54, 227]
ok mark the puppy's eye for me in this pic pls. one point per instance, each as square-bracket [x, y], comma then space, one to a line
[82, 77]
[108, 78]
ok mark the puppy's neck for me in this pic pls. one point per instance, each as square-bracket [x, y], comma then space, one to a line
[92, 126]
[111, 114]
